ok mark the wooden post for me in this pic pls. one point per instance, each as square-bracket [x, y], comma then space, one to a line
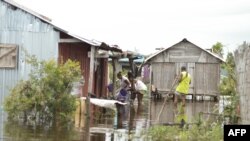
[150, 89]
[90, 89]
[131, 108]
[91, 70]
[133, 73]
[114, 62]
[131, 66]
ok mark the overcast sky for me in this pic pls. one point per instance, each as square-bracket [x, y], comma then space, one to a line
[148, 24]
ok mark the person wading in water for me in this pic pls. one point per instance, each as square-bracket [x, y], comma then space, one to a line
[183, 86]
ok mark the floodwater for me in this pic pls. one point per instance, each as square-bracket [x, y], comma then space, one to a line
[130, 124]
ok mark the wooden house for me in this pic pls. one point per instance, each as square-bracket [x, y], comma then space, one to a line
[203, 65]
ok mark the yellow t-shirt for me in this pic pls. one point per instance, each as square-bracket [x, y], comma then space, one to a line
[183, 86]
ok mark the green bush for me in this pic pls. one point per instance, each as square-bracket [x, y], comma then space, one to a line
[204, 131]
[45, 96]
[164, 133]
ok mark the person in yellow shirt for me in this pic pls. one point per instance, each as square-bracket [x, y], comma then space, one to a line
[183, 86]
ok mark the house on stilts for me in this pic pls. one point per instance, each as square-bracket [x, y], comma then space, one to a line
[203, 65]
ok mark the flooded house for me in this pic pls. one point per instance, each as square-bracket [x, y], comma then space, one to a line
[203, 65]
[23, 29]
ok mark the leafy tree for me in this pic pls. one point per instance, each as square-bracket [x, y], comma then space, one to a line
[228, 83]
[228, 87]
[45, 97]
[218, 48]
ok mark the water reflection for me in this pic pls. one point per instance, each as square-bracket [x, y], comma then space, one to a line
[127, 123]
[191, 110]
[180, 115]
[19, 131]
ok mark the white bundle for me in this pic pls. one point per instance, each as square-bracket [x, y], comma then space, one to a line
[111, 104]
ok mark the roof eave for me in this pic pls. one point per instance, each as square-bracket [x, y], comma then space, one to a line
[184, 40]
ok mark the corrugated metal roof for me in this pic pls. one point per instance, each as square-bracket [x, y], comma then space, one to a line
[184, 40]
[96, 43]
[42, 17]
[38, 15]
[84, 39]
[49, 21]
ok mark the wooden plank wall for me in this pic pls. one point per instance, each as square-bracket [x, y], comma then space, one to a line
[163, 75]
[8, 55]
[242, 61]
[207, 79]
[185, 53]
[202, 66]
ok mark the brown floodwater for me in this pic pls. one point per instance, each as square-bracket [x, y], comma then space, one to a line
[131, 123]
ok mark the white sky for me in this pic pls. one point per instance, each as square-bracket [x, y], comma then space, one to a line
[148, 24]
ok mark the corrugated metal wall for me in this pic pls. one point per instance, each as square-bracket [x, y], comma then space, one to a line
[242, 61]
[77, 52]
[29, 33]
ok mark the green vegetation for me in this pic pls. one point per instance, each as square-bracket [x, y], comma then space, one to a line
[228, 83]
[45, 97]
[201, 130]
[218, 48]
[228, 88]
